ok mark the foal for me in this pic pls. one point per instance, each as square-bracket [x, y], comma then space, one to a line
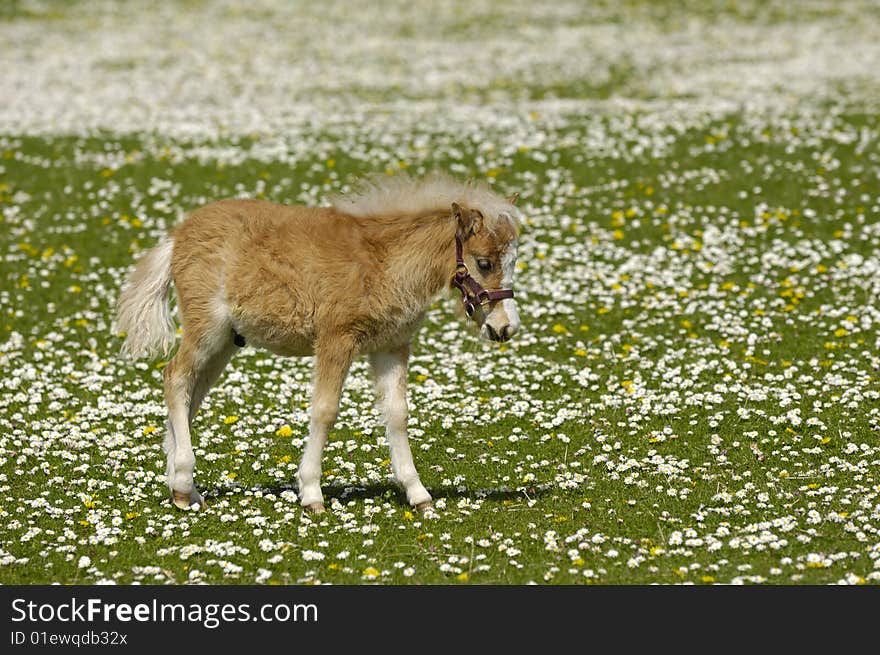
[334, 282]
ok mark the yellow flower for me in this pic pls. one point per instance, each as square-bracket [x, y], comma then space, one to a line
[559, 328]
[840, 332]
[150, 429]
[371, 571]
[617, 235]
[462, 577]
[229, 420]
[284, 431]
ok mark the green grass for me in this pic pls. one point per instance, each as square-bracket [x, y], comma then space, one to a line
[514, 491]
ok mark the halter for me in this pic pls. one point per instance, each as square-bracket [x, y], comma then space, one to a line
[472, 292]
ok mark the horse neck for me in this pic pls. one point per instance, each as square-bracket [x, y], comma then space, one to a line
[421, 256]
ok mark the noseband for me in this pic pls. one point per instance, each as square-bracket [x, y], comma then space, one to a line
[472, 292]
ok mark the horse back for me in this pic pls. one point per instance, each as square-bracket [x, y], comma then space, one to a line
[281, 273]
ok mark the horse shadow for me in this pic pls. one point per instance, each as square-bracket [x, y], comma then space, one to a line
[390, 491]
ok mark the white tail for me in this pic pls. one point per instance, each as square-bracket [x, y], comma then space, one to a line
[143, 312]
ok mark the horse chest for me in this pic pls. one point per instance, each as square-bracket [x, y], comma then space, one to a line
[390, 330]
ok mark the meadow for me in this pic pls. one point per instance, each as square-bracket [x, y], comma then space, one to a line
[693, 397]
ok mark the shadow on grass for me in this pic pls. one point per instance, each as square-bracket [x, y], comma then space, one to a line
[389, 491]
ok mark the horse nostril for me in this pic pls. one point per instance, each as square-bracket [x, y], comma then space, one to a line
[505, 333]
[493, 335]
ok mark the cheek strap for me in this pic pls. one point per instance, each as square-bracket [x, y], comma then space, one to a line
[472, 292]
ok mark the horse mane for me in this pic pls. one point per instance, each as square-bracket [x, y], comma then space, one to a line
[401, 195]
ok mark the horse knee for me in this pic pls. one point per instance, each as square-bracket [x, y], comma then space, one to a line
[324, 413]
[178, 376]
[396, 419]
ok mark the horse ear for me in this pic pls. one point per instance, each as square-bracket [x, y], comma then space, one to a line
[513, 198]
[456, 211]
[470, 221]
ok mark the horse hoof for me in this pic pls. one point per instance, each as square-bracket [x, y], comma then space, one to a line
[185, 501]
[315, 508]
[426, 506]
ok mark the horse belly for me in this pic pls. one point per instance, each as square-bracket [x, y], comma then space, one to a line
[286, 347]
[271, 315]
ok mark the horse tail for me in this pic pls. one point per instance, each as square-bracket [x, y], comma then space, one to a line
[143, 312]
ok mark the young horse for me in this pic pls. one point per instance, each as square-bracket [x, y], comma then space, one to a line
[333, 282]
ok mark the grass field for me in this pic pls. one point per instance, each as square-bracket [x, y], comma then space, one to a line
[694, 394]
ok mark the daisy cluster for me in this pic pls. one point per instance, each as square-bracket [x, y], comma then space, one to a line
[693, 397]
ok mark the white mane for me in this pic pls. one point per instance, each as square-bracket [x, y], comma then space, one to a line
[403, 195]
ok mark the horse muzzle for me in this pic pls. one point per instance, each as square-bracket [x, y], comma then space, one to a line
[500, 334]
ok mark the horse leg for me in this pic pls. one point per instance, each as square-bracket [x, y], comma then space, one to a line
[180, 378]
[331, 367]
[188, 376]
[389, 370]
[207, 376]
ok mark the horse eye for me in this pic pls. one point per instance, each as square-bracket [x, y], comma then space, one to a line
[485, 264]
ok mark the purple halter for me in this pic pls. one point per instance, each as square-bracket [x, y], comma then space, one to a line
[472, 292]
